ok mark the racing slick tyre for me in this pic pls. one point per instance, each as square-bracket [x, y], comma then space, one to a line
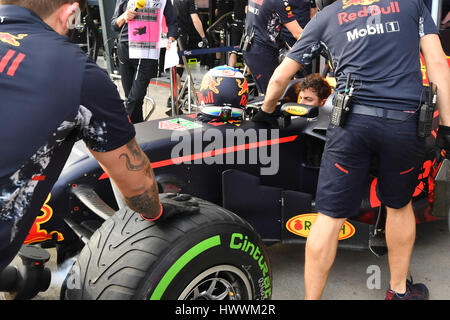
[210, 255]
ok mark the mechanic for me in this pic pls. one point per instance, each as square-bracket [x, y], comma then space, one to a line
[303, 10]
[190, 27]
[262, 34]
[239, 9]
[383, 63]
[59, 95]
[136, 73]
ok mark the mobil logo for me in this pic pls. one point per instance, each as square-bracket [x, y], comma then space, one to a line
[373, 10]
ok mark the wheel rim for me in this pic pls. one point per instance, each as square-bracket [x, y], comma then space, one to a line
[222, 282]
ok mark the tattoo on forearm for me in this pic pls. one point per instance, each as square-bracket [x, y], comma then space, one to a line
[139, 159]
[145, 203]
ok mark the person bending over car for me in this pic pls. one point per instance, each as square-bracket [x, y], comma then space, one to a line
[52, 95]
[380, 61]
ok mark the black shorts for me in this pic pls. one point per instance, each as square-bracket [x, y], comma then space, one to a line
[344, 172]
[237, 29]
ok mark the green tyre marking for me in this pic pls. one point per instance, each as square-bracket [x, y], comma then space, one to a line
[181, 263]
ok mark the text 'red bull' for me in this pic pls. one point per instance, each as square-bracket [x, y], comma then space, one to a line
[375, 10]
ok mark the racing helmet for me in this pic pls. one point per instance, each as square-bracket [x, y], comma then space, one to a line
[323, 3]
[223, 94]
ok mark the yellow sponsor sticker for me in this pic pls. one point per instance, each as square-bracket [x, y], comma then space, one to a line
[301, 225]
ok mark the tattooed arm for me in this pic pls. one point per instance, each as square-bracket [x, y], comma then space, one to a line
[130, 169]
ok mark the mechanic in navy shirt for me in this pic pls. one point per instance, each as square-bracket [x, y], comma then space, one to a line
[52, 95]
[264, 19]
[303, 11]
[137, 73]
[378, 43]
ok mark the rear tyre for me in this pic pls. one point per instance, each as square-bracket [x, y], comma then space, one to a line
[212, 255]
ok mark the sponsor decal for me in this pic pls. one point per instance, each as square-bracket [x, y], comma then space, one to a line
[288, 9]
[240, 242]
[37, 234]
[178, 124]
[370, 30]
[296, 110]
[208, 82]
[367, 31]
[301, 225]
[206, 99]
[375, 10]
[11, 39]
[4, 61]
[243, 93]
[348, 3]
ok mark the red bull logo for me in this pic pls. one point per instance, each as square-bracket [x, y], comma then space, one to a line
[11, 39]
[348, 3]
[209, 83]
[38, 234]
[243, 85]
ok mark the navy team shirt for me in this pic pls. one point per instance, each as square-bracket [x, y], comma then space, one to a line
[267, 17]
[378, 43]
[302, 12]
[51, 96]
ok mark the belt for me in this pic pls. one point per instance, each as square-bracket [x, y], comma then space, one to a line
[381, 112]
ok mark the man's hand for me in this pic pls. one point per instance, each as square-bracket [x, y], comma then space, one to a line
[130, 14]
[204, 43]
[443, 140]
[278, 83]
[173, 205]
[269, 118]
[438, 73]
[171, 40]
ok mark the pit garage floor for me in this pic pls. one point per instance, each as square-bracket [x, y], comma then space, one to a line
[354, 275]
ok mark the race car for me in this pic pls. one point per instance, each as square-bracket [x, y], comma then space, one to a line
[255, 187]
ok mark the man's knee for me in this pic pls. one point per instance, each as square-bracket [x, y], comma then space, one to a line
[405, 209]
[324, 229]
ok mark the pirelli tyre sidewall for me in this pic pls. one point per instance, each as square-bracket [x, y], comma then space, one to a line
[223, 248]
[184, 258]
